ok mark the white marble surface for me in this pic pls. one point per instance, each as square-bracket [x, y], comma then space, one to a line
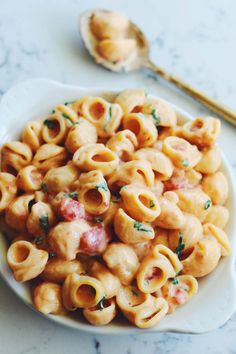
[193, 39]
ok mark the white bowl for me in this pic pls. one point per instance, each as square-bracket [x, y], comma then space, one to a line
[216, 299]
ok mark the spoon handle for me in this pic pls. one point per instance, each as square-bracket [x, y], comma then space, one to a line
[217, 107]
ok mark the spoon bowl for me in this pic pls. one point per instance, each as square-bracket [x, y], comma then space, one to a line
[134, 62]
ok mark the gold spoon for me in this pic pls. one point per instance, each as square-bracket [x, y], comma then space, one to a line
[141, 59]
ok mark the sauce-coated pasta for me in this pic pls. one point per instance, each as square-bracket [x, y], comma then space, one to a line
[121, 181]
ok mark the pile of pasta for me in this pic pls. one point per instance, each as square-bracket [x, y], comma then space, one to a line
[114, 206]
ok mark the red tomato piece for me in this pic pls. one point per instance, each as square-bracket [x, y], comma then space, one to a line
[180, 296]
[94, 241]
[71, 210]
[155, 273]
[196, 126]
[175, 183]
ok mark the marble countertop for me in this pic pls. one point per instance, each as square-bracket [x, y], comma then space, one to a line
[193, 39]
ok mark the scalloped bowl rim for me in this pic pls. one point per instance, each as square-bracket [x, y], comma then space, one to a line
[216, 301]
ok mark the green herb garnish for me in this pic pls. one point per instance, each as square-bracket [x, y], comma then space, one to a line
[185, 163]
[140, 227]
[67, 117]
[110, 112]
[155, 117]
[175, 280]
[181, 245]
[66, 103]
[44, 223]
[152, 204]
[102, 185]
[101, 305]
[97, 220]
[207, 204]
[51, 254]
[49, 123]
[108, 119]
[44, 187]
[38, 240]
[53, 111]
[72, 195]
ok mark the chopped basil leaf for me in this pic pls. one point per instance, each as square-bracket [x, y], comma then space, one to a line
[110, 112]
[181, 245]
[66, 103]
[108, 119]
[97, 220]
[51, 254]
[152, 204]
[101, 304]
[207, 204]
[44, 223]
[67, 117]
[140, 227]
[72, 195]
[53, 111]
[103, 186]
[49, 123]
[44, 187]
[155, 117]
[185, 163]
[38, 240]
[31, 203]
[175, 280]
